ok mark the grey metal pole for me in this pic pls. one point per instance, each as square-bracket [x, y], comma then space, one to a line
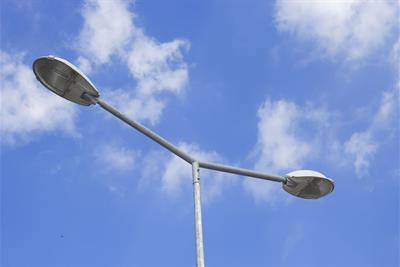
[195, 170]
[197, 215]
[88, 92]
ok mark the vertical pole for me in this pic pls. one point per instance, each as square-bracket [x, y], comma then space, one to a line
[197, 215]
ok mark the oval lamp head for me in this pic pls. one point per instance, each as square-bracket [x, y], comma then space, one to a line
[308, 184]
[64, 79]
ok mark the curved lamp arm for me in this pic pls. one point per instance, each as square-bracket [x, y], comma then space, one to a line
[183, 155]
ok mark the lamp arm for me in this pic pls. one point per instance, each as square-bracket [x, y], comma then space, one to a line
[241, 171]
[183, 155]
[147, 132]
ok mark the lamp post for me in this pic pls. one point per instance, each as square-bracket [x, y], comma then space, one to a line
[66, 80]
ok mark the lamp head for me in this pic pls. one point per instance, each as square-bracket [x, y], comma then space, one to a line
[308, 184]
[64, 79]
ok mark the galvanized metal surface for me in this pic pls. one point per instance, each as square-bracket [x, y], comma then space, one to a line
[196, 165]
[66, 80]
[240, 171]
[197, 215]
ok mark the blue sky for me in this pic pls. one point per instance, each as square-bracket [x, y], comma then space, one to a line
[272, 85]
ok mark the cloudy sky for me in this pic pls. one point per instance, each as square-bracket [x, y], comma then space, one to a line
[268, 85]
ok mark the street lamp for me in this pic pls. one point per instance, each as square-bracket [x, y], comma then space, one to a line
[66, 80]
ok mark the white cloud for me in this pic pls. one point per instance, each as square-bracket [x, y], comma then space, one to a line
[84, 64]
[386, 109]
[177, 172]
[108, 27]
[362, 146]
[280, 148]
[395, 54]
[176, 175]
[151, 168]
[294, 235]
[395, 59]
[158, 66]
[27, 108]
[109, 30]
[139, 108]
[287, 138]
[116, 158]
[351, 28]
[262, 191]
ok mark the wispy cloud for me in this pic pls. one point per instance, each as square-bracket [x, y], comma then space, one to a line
[26, 107]
[395, 59]
[158, 66]
[116, 158]
[291, 136]
[352, 29]
[287, 138]
[294, 236]
[175, 175]
[109, 33]
[395, 55]
[138, 108]
[362, 145]
[108, 27]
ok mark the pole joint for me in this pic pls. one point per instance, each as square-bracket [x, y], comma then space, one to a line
[196, 172]
[89, 98]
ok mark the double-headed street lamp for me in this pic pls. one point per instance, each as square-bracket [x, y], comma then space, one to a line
[66, 80]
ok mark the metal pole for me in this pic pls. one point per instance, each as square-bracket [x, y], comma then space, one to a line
[197, 215]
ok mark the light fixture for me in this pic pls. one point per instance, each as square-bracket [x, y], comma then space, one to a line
[64, 79]
[67, 81]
